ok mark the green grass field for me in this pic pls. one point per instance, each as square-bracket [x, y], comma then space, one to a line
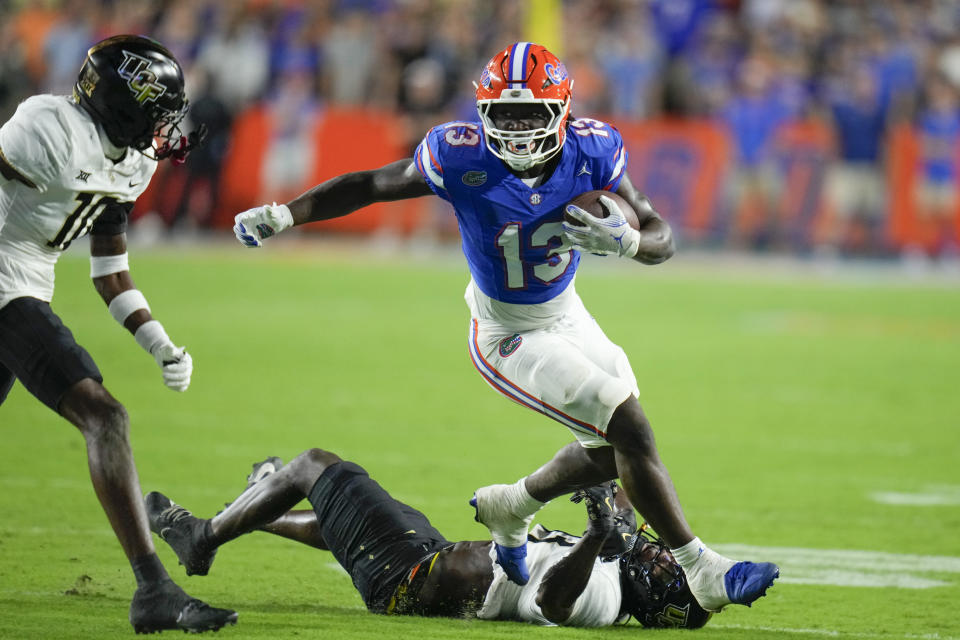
[807, 421]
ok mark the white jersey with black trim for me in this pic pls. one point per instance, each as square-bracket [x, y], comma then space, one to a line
[52, 142]
[597, 606]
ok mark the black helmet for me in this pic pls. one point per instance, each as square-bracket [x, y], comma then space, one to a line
[133, 86]
[655, 589]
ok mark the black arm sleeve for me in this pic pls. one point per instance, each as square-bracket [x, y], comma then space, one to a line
[113, 220]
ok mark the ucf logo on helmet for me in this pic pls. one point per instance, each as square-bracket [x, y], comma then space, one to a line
[142, 82]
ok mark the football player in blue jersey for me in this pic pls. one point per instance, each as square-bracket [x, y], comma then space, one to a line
[510, 177]
[73, 165]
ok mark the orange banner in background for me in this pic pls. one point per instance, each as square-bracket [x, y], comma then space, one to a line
[803, 151]
[678, 164]
[242, 168]
[682, 165]
[909, 226]
[343, 140]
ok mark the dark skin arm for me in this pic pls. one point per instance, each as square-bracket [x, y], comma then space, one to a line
[566, 580]
[400, 180]
[656, 237]
[345, 194]
[113, 284]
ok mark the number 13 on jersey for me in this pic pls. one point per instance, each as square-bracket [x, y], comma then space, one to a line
[522, 255]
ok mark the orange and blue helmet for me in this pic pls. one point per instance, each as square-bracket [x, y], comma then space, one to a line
[525, 73]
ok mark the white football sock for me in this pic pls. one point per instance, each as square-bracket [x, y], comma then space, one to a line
[524, 504]
[688, 553]
[507, 509]
[705, 569]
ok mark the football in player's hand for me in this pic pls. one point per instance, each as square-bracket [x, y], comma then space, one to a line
[590, 202]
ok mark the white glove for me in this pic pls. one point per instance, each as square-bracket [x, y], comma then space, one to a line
[612, 235]
[177, 366]
[174, 361]
[253, 226]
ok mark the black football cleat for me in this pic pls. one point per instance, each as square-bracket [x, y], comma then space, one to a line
[622, 523]
[164, 606]
[182, 531]
[598, 500]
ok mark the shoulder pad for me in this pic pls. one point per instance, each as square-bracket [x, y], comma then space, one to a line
[37, 141]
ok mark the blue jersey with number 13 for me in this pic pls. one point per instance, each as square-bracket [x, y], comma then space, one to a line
[507, 228]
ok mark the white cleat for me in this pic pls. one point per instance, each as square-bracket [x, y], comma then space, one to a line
[495, 509]
[495, 512]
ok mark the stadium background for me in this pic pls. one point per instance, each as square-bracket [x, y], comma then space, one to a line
[807, 127]
[808, 416]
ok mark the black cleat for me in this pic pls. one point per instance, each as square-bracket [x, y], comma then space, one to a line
[262, 469]
[184, 532]
[164, 605]
[621, 523]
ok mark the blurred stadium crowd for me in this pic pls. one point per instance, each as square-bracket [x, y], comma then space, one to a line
[872, 168]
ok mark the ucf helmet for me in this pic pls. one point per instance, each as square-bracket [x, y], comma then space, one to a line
[133, 86]
[528, 74]
[655, 589]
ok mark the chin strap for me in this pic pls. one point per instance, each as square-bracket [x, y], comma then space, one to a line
[178, 151]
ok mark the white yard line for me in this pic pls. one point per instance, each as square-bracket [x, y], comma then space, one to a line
[850, 568]
[931, 496]
[833, 633]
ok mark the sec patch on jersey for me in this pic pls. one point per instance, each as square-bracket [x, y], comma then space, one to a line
[589, 201]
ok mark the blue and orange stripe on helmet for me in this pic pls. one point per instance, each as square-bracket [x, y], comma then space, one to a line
[517, 61]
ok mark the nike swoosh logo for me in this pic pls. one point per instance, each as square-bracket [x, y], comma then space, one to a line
[607, 500]
[134, 184]
[626, 536]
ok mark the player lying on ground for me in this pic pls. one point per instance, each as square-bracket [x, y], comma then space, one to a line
[510, 176]
[400, 564]
[73, 165]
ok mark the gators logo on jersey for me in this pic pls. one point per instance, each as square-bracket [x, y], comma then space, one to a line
[474, 178]
[142, 82]
[509, 345]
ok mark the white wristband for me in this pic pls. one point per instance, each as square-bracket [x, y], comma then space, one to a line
[151, 335]
[126, 303]
[282, 216]
[105, 265]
